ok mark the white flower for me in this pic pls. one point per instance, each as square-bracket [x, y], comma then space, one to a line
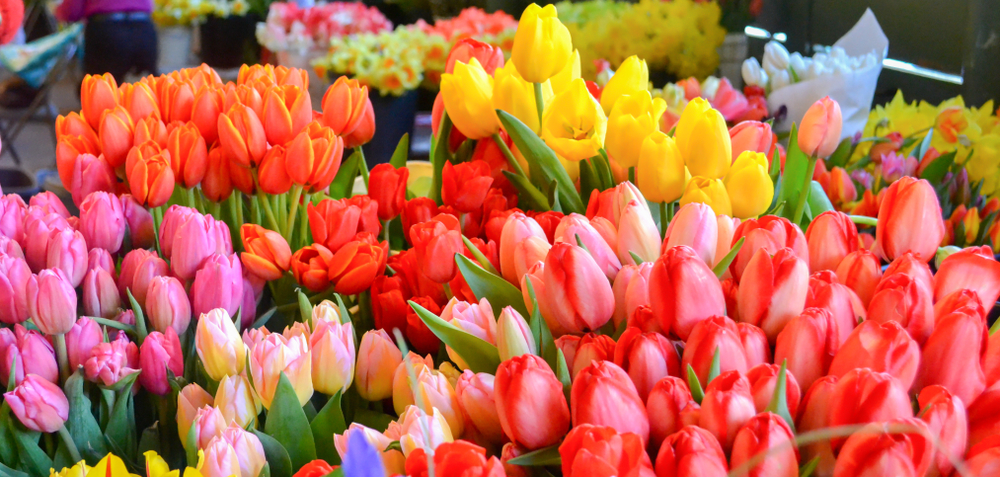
[752, 74]
[775, 55]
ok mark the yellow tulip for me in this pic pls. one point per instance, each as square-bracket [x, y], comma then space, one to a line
[634, 117]
[468, 100]
[574, 124]
[110, 466]
[79, 470]
[219, 345]
[542, 45]
[632, 76]
[749, 187]
[236, 401]
[516, 96]
[157, 467]
[660, 173]
[708, 191]
[571, 72]
[703, 139]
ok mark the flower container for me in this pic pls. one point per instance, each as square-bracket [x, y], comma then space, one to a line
[394, 117]
[18, 181]
[229, 42]
[175, 48]
[732, 53]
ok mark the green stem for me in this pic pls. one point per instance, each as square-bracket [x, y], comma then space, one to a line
[235, 224]
[238, 200]
[255, 213]
[190, 199]
[268, 211]
[385, 230]
[303, 237]
[363, 166]
[665, 213]
[67, 439]
[157, 213]
[290, 224]
[62, 355]
[539, 104]
[800, 207]
[516, 166]
[863, 220]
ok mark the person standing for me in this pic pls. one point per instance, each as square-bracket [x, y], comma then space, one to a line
[119, 37]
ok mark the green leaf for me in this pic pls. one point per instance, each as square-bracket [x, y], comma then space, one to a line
[345, 316]
[33, 458]
[7, 471]
[716, 367]
[343, 182]
[532, 198]
[287, 424]
[562, 373]
[841, 154]
[275, 454]
[720, 268]
[638, 259]
[81, 424]
[8, 452]
[305, 307]
[809, 467]
[602, 167]
[818, 201]
[921, 149]
[541, 332]
[328, 422]
[150, 439]
[995, 327]
[696, 391]
[938, 168]
[338, 472]
[481, 356]
[796, 165]
[538, 154]
[440, 155]
[140, 319]
[541, 457]
[588, 179]
[499, 292]
[120, 430]
[483, 261]
[263, 319]
[402, 152]
[191, 444]
[779, 401]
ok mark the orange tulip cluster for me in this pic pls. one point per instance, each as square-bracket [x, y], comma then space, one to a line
[188, 128]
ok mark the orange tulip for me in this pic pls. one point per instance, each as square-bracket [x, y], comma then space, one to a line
[909, 220]
[73, 124]
[842, 189]
[273, 172]
[287, 110]
[249, 75]
[98, 93]
[951, 122]
[861, 272]
[356, 265]
[188, 154]
[176, 101]
[242, 177]
[245, 95]
[365, 130]
[150, 129]
[344, 105]
[68, 148]
[819, 133]
[242, 135]
[140, 100]
[116, 133]
[286, 76]
[200, 76]
[205, 111]
[217, 184]
[310, 267]
[149, 174]
[267, 253]
[314, 156]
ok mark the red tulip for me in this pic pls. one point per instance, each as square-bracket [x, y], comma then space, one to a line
[755, 345]
[310, 266]
[467, 459]
[217, 184]
[910, 265]
[727, 406]
[909, 220]
[489, 56]
[860, 271]
[951, 356]
[387, 186]
[991, 357]
[826, 292]
[945, 416]
[903, 299]
[389, 307]
[984, 416]
[808, 345]
[831, 236]
[464, 186]
[973, 268]
[901, 447]
[666, 400]
[436, 242]
[770, 233]
[814, 414]
[68, 148]
[417, 331]
[416, 210]
[603, 386]
[862, 396]
[882, 347]
[692, 451]
[763, 381]
[526, 388]
[570, 275]
[819, 132]
[717, 333]
[681, 273]
[646, 357]
[586, 350]
[773, 290]
[336, 222]
[984, 459]
[596, 451]
[767, 434]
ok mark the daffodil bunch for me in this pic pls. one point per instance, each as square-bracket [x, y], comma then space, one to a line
[391, 62]
[186, 12]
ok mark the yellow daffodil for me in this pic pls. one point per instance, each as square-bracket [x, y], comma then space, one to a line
[574, 124]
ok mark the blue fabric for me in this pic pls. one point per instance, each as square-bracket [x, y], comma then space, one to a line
[33, 61]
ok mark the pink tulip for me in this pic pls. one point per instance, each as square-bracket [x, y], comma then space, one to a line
[588, 349]
[647, 358]
[208, 424]
[81, 339]
[9, 247]
[826, 292]
[831, 236]
[100, 294]
[139, 274]
[529, 252]
[666, 400]
[14, 277]
[767, 434]
[726, 407]
[576, 225]
[220, 459]
[696, 226]
[140, 222]
[173, 218]
[577, 291]
[945, 416]
[631, 290]
[860, 271]
[249, 451]
[715, 333]
[773, 290]
[109, 362]
[973, 268]
[814, 414]
[51, 302]
[681, 273]
[160, 352]
[167, 305]
[40, 226]
[218, 284]
[727, 228]
[195, 240]
[903, 299]
[637, 234]
[808, 345]
[12, 212]
[100, 258]
[476, 319]
[50, 203]
[909, 220]
[819, 132]
[39, 404]
[29, 353]
[951, 356]
[516, 230]
[763, 381]
[91, 174]
[102, 221]
[67, 251]
[751, 136]
[475, 393]
[526, 388]
[770, 233]
[602, 386]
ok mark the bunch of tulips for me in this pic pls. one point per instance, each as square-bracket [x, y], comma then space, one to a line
[502, 326]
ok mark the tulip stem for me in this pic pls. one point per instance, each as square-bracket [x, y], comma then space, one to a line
[363, 166]
[509, 155]
[67, 439]
[268, 211]
[800, 207]
[290, 224]
[539, 104]
[190, 198]
[863, 220]
[62, 355]
[666, 215]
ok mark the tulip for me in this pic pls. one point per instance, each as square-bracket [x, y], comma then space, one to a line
[188, 154]
[68, 149]
[768, 434]
[98, 93]
[365, 130]
[149, 174]
[476, 399]
[631, 77]
[526, 388]
[770, 233]
[313, 157]
[597, 450]
[575, 227]
[603, 385]
[751, 136]
[973, 268]
[28, 353]
[287, 110]
[749, 186]
[666, 401]
[703, 140]
[193, 242]
[190, 399]
[814, 414]
[219, 346]
[517, 229]
[40, 227]
[51, 302]
[542, 44]
[909, 220]
[91, 174]
[174, 216]
[587, 350]
[819, 133]
[983, 458]
[532, 251]
[177, 101]
[67, 252]
[98, 258]
[896, 447]
[468, 97]
[334, 223]
[100, 294]
[860, 271]
[217, 183]
[219, 459]
[138, 269]
[808, 344]
[275, 355]
[344, 105]
[773, 290]
[696, 226]
[862, 396]
[945, 416]
[150, 129]
[660, 168]
[355, 266]
[387, 186]
[763, 381]
[631, 290]
[333, 357]
[241, 135]
[680, 272]
[647, 358]
[80, 340]
[49, 203]
[637, 234]
[205, 111]
[513, 336]
[267, 253]
[246, 95]
[831, 236]
[109, 362]
[726, 407]
[249, 450]
[634, 117]
[827, 293]
[574, 124]
[707, 191]
[691, 451]
[218, 284]
[983, 418]
[464, 186]
[40, 405]
[14, 276]
[158, 353]
[416, 429]
[12, 217]
[437, 393]
[570, 274]
[951, 356]
[516, 96]
[310, 267]
[116, 134]
[102, 221]
[378, 358]
[236, 401]
[167, 305]
[904, 300]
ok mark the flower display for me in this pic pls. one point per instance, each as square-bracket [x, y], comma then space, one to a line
[291, 27]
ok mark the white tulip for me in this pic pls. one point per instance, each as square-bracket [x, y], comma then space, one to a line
[780, 80]
[752, 74]
[776, 54]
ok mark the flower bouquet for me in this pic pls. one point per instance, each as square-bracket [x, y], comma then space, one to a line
[499, 327]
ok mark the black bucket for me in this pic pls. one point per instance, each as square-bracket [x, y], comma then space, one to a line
[18, 181]
[229, 42]
[394, 117]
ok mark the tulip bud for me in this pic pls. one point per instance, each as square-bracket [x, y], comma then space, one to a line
[208, 424]
[727, 406]
[387, 186]
[80, 340]
[196, 238]
[951, 356]
[100, 294]
[236, 401]
[826, 292]
[219, 459]
[151, 180]
[637, 234]
[945, 416]
[691, 451]
[711, 192]
[631, 290]
[191, 398]
[218, 284]
[91, 174]
[14, 278]
[67, 252]
[167, 305]
[40, 405]
[634, 116]
[276, 354]
[344, 105]
[475, 394]
[973, 268]
[773, 290]
[903, 299]
[543, 47]
[313, 157]
[749, 186]
[468, 97]
[819, 133]
[188, 154]
[862, 396]
[570, 274]
[416, 429]
[660, 170]
[764, 380]
[102, 221]
[160, 352]
[588, 447]
[680, 272]
[861, 272]
[139, 268]
[666, 400]
[604, 385]
[219, 346]
[378, 359]
[526, 388]
[333, 357]
[513, 335]
[575, 225]
[909, 205]
[241, 135]
[249, 451]
[695, 225]
[831, 236]
[516, 230]
[647, 358]
[51, 302]
[435, 243]
[586, 350]
[899, 447]
[767, 434]
[814, 414]
[109, 362]
[714, 334]
[808, 345]
[28, 352]
[751, 136]
[703, 140]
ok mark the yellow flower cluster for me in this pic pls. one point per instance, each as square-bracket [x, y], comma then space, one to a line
[185, 12]
[678, 36]
[957, 127]
[391, 62]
